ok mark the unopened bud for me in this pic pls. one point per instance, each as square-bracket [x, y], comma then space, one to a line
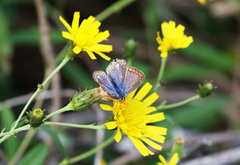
[206, 89]
[178, 146]
[35, 118]
[130, 49]
[85, 99]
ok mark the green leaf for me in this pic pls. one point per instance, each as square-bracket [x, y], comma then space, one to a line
[12, 143]
[186, 72]
[36, 155]
[31, 37]
[201, 115]
[55, 138]
[21, 122]
[6, 46]
[209, 56]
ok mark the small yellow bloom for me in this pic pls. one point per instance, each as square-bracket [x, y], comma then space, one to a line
[173, 160]
[132, 117]
[173, 38]
[203, 2]
[86, 36]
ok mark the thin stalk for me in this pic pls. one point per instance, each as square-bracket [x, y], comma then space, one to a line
[64, 109]
[10, 133]
[23, 146]
[160, 107]
[113, 9]
[88, 153]
[129, 61]
[160, 74]
[65, 60]
[97, 127]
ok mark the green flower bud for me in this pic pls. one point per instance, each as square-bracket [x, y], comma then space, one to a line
[35, 117]
[85, 99]
[131, 48]
[178, 146]
[206, 89]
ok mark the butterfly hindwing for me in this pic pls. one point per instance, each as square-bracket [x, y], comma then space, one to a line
[102, 79]
[133, 79]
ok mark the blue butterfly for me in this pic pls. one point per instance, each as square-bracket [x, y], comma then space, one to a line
[120, 79]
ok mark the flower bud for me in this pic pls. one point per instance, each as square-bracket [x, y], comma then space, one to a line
[35, 117]
[178, 146]
[130, 49]
[85, 99]
[206, 89]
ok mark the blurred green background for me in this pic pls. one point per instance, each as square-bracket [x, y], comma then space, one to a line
[214, 55]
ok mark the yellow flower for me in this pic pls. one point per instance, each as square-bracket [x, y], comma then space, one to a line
[133, 119]
[203, 2]
[173, 160]
[173, 38]
[86, 36]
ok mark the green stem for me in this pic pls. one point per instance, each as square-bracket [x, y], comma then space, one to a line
[27, 139]
[129, 61]
[88, 153]
[77, 125]
[65, 60]
[162, 107]
[113, 9]
[10, 133]
[160, 75]
[64, 109]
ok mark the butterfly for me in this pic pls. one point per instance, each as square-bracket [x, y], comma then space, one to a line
[119, 79]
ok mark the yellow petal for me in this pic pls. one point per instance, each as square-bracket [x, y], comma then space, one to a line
[106, 107]
[156, 117]
[150, 99]
[160, 164]
[164, 54]
[76, 50]
[111, 125]
[91, 55]
[103, 55]
[118, 135]
[149, 110]
[159, 40]
[174, 159]
[162, 159]
[152, 144]
[157, 138]
[66, 24]
[143, 91]
[67, 35]
[75, 22]
[156, 130]
[140, 146]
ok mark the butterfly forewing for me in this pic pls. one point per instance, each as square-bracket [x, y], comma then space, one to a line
[102, 79]
[133, 79]
[117, 69]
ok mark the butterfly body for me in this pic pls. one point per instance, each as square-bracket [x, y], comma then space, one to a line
[119, 79]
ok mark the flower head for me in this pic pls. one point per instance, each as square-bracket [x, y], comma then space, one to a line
[173, 38]
[86, 36]
[132, 118]
[173, 160]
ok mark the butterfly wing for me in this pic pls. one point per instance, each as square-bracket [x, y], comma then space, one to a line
[116, 70]
[102, 79]
[133, 79]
